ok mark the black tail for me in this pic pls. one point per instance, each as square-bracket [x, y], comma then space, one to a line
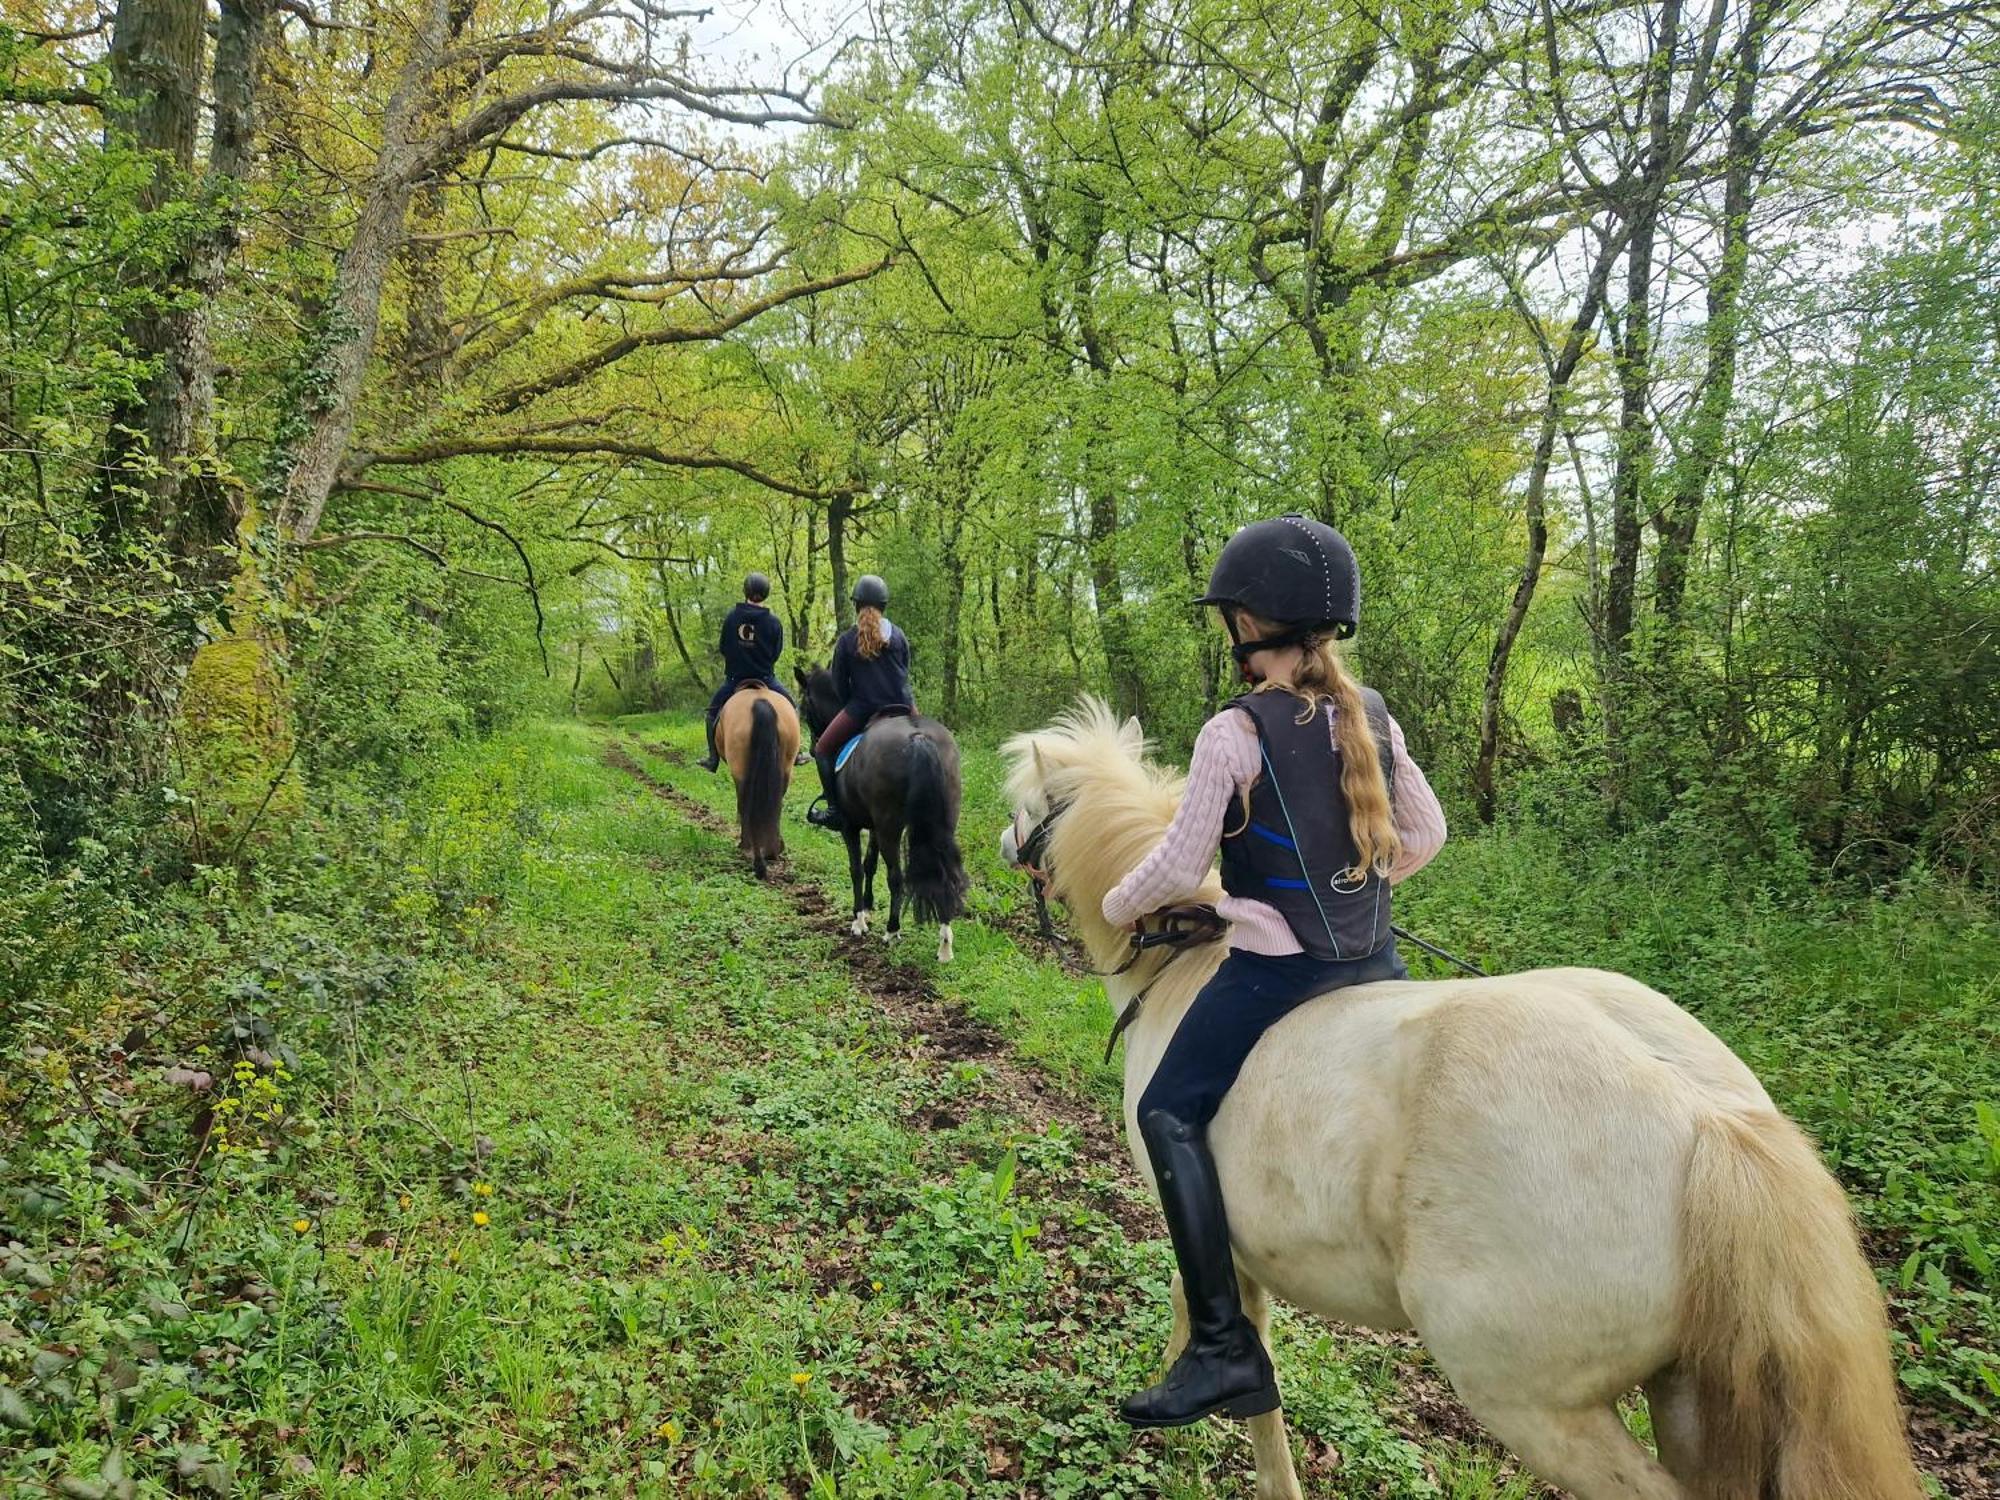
[930, 813]
[760, 795]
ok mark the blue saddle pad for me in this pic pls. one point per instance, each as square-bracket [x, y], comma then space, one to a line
[840, 757]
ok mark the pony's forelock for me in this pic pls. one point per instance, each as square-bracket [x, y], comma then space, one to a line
[1118, 804]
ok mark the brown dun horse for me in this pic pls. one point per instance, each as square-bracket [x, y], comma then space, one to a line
[758, 734]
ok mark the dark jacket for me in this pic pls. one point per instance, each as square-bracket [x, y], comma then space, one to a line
[1298, 844]
[752, 640]
[867, 686]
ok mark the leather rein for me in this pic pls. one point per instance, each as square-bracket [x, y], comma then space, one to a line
[1191, 925]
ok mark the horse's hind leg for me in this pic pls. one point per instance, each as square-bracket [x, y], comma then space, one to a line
[860, 927]
[1676, 1416]
[1276, 1478]
[892, 854]
[1587, 1452]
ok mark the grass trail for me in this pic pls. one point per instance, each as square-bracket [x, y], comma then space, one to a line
[609, 1170]
[747, 1233]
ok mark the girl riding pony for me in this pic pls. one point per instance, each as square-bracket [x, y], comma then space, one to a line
[1304, 784]
[871, 673]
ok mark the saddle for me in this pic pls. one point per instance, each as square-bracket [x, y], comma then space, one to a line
[893, 711]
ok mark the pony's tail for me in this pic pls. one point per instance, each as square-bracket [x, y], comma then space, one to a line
[930, 813]
[1782, 1333]
[761, 794]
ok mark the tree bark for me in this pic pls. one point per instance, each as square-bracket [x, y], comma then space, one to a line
[1723, 333]
[156, 56]
[1560, 373]
[839, 511]
[207, 515]
[1128, 691]
[674, 630]
[333, 379]
[953, 529]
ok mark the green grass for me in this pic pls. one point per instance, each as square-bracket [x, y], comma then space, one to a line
[529, 988]
[740, 1238]
[1874, 1022]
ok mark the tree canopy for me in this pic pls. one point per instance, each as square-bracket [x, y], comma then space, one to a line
[1644, 351]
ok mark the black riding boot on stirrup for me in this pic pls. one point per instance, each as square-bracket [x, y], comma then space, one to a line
[825, 813]
[1224, 1367]
[714, 757]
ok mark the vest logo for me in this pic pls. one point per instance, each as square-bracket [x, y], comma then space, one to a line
[747, 634]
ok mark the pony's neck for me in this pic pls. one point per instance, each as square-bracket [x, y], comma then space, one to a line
[1117, 816]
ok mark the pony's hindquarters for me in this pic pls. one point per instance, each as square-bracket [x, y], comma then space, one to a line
[930, 815]
[1783, 1344]
[760, 791]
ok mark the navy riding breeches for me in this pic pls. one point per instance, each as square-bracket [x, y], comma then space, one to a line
[1249, 993]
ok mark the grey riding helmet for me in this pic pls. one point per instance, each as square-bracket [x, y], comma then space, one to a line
[868, 589]
[1292, 571]
[757, 588]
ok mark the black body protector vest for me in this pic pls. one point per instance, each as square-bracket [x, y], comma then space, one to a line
[1297, 849]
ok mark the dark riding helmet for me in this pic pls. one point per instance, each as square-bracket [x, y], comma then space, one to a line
[868, 589]
[1293, 571]
[757, 588]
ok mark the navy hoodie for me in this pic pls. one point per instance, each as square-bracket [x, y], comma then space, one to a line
[752, 640]
[867, 686]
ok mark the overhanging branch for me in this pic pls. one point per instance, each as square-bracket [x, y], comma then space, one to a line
[545, 446]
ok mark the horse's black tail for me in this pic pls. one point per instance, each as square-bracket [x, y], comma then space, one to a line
[930, 813]
[761, 794]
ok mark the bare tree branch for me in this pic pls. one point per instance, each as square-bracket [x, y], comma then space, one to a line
[518, 396]
[527, 445]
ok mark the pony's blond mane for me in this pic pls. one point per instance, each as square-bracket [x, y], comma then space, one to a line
[1119, 806]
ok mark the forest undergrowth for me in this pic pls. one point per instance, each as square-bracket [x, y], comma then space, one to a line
[500, 1134]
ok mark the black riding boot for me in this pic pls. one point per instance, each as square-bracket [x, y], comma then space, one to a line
[714, 759]
[826, 812]
[1224, 1367]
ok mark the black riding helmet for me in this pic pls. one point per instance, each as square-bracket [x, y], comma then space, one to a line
[868, 589]
[1294, 571]
[757, 588]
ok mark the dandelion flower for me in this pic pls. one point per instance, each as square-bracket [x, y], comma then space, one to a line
[669, 1430]
[482, 1218]
[875, 1286]
[801, 1378]
[483, 1189]
[302, 1225]
[403, 1200]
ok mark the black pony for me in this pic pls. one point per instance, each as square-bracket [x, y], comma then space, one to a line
[901, 779]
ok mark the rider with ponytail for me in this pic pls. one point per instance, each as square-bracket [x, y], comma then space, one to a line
[871, 673]
[1304, 784]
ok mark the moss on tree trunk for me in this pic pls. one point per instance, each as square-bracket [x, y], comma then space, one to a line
[233, 729]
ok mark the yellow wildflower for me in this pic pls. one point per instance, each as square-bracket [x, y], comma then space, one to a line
[801, 1378]
[483, 1189]
[403, 1200]
[669, 1430]
[875, 1285]
[303, 1226]
[482, 1218]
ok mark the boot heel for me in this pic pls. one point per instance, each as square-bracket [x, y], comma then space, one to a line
[1254, 1405]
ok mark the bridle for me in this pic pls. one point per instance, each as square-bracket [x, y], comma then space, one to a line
[1030, 850]
[1180, 927]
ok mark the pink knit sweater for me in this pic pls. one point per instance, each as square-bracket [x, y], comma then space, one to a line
[1225, 762]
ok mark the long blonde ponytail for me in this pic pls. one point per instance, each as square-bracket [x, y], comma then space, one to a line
[869, 636]
[1322, 677]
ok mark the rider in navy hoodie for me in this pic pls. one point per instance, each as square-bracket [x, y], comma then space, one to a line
[753, 638]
